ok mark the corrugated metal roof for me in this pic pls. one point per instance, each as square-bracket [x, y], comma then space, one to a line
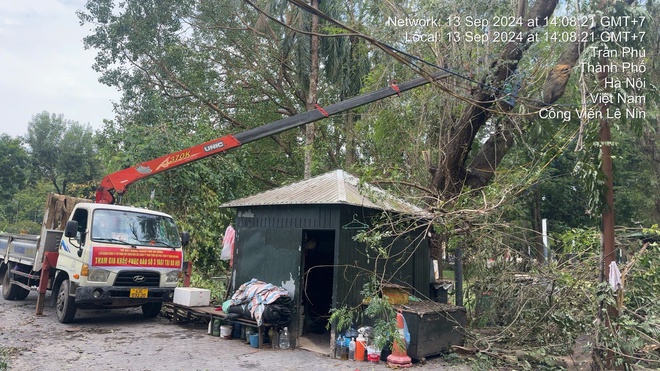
[334, 187]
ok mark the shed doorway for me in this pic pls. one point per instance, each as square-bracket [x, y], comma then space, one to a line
[318, 256]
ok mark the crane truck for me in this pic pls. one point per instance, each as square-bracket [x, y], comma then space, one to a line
[104, 255]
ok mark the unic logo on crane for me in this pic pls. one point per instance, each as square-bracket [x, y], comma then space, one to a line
[214, 146]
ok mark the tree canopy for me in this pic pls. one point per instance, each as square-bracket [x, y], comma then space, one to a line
[62, 151]
[13, 165]
[509, 139]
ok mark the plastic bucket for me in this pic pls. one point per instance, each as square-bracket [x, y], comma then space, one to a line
[225, 331]
[254, 340]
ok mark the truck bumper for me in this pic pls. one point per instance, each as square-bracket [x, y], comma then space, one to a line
[119, 296]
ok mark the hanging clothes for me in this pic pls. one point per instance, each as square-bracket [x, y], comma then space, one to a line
[616, 282]
[615, 277]
[228, 245]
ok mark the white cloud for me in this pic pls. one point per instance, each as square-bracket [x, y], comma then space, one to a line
[44, 66]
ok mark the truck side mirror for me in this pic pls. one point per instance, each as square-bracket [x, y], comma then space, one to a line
[71, 229]
[185, 239]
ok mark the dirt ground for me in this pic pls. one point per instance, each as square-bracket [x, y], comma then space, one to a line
[123, 340]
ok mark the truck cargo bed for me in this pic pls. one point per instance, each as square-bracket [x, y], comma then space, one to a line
[22, 248]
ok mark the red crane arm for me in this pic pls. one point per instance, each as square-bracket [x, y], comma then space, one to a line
[118, 181]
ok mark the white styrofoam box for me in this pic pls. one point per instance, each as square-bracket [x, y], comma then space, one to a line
[192, 297]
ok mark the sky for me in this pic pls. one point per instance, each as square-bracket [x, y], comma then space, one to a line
[45, 67]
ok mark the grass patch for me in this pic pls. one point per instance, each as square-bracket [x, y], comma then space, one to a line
[5, 353]
[3, 359]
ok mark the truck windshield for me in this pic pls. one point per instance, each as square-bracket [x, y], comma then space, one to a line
[134, 228]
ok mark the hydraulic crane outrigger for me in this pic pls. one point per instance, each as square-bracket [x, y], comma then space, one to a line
[118, 181]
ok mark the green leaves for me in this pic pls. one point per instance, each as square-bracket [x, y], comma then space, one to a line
[378, 309]
[62, 151]
[342, 318]
[13, 167]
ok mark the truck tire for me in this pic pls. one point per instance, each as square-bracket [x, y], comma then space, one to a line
[66, 305]
[9, 291]
[151, 310]
[21, 293]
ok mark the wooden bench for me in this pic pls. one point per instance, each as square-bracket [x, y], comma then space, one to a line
[182, 313]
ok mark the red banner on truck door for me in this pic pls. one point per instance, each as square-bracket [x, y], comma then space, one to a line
[128, 257]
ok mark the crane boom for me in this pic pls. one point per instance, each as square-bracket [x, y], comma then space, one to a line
[118, 181]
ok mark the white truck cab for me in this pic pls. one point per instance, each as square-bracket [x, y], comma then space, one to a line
[108, 256]
[117, 256]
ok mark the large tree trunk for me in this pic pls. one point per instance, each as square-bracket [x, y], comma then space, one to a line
[350, 139]
[537, 226]
[312, 93]
[481, 168]
[451, 174]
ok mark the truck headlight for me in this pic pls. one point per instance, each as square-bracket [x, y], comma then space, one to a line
[98, 275]
[172, 276]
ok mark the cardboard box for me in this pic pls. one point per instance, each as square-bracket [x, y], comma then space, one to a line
[192, 297]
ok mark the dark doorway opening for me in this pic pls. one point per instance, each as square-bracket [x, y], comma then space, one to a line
[318, 259]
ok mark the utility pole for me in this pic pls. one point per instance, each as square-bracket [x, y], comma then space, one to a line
[608, 251]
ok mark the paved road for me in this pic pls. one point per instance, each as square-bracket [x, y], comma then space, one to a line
[123, 340]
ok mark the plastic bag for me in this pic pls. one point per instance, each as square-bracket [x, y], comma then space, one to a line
[228, 244]
[406, 333]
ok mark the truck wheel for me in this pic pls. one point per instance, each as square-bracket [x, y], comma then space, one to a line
[66, 305]
[21, 293]
[9, 291]
[151, 310]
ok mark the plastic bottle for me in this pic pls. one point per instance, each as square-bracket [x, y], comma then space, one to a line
[360, 345]
[338, 346]
[215, 331]
[351, 349]
[284, 339]
[344, 349]
[274, 338]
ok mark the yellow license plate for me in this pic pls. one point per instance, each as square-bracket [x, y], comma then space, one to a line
[139, 293]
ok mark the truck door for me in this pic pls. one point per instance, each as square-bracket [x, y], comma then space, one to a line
[69, 248]
[81, 216]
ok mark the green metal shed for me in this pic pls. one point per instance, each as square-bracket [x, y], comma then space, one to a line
[300, 237]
